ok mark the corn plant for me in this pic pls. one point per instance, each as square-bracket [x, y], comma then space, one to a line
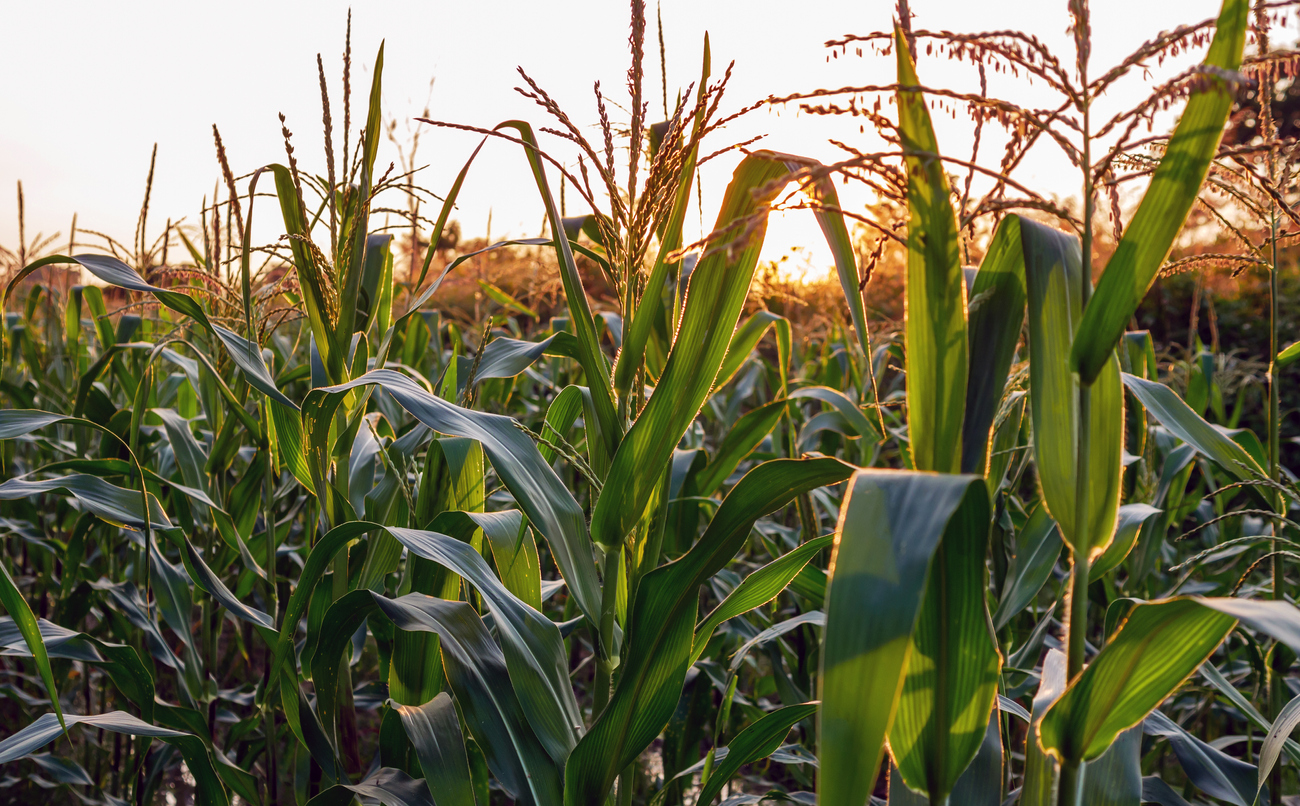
[325, 544]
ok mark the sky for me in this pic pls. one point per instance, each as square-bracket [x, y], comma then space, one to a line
[90, 88]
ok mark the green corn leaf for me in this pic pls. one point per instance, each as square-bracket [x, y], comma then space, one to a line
[208, 789]
[318, 562]
[515, 552]
[747, 338]
[476, 672]
[1170, 411]
[550, 507]
[1038, 546]
[506, 358]
[717, 292]
[120, 662]
[950, 684]
[25, 620]
[318, 296]
[1155, 790]
[743, 437]
[205, 578]
[1215, 678]
[1288, 356]
[1212, 771]
[980, 785]
[561, 415]
[245, 354]
[387, 786]
[1053, 274]
[1158, 647]
[892, 524]
[345, 615]
[996, 316]
[1115, 779]
[1132, 517]
[434, 732]
[505, 300]
[18, 422]
[286, 425]
[108, 502]
[663, 621]
[1159, 218]
[857, 422]
[757, 741]
[936, 289]
[1285, 724]
[534, 651]
[757, 589]
[813, 617]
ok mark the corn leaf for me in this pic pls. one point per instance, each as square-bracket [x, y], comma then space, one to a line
[717, 292]
[663, 622]
[434, 731]
[892, 524]
[996, 316]
[1158, 647]
[936, 289]
[950, 683]
[208, 789]
[1170, 411]
[1038, 546]
[1160, 216]
[743, 437]
[550, 507]
[759, 740]
[1053, 273]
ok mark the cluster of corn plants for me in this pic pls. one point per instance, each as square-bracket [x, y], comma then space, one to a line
[288, 533]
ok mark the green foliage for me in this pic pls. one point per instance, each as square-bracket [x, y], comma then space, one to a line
[383, 551]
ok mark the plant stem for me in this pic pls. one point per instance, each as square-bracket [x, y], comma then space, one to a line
[607, 661]
[1268, 130]
[1071, 783]
[272, 773]
[1276, 690]
[1072, 773]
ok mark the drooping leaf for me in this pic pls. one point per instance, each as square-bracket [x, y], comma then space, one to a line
[208, 788]
[434, 731]
[476, 671]
[759, 740]
[891, 526]
[1159, 645]
[743, 437]
[1170, 411]
[758, 588]
[549, 505]
[1131, 519]
[388, 786]
[1212, 771]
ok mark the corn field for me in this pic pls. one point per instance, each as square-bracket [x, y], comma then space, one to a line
[281, 528]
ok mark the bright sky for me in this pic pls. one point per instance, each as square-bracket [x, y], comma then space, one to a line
[90, 87]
